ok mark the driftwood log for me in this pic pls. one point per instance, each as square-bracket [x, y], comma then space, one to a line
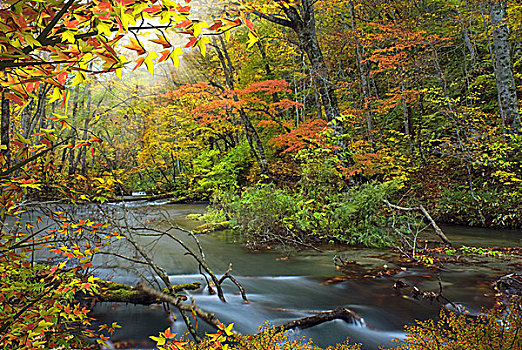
[341, 313]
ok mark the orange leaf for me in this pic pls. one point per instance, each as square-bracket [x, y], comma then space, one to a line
[135, 46]
[139, 62]
[162, 41]
[164, 55]
[153, 9]
[215, 26]
[249, 24]
[168, 334]
[184, 9]
[183, 24]
[191, 42]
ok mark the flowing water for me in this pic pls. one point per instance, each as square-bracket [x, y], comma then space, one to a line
[281, 288]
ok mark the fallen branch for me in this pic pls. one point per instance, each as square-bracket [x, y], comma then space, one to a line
[231, 278]
[420, 208]
[341, 313]
[417, 293]
[212, 227]
[209, 318]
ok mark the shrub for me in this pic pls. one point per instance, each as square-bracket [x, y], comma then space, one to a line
[499, 329]
[224, 339]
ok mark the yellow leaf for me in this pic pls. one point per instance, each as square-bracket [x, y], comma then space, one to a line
[228, 329]
[104, 28]
[78, 79]
[174, 56]
[68, 36]
[159, 340]
[202, 45]
[198, 27]
[252, 39]
[56, 95]
[149, 63]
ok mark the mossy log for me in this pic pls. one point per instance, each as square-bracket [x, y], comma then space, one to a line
[195, 217]
[118, 292]
[212, 226]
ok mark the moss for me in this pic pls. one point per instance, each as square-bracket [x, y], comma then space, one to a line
[187, 286]
[117, 292]
[213, 226]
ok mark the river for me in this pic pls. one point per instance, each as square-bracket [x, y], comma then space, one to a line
[281, 288]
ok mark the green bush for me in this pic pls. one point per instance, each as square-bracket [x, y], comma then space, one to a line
[267, 213]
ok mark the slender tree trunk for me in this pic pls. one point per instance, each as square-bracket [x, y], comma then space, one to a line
[506, 88]
[72, 152]
[306, 32]
[268, 70]
[4, 129]
[405, 113]
[363, 75]
[82, 152]
[33, 122]
[252, 136]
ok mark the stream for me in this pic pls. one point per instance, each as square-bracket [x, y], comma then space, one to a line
[281, 288]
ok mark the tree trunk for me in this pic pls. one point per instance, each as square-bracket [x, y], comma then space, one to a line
[38, 113]
[306, 32]
[301, 18]
[506, 88]
[72, 151]
[4, 129]
[405, 113]
[341, 313]
[82, 152]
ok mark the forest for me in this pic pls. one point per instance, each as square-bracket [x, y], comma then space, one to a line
[144, 141]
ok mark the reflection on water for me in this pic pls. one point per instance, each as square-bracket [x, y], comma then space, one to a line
[280, 290]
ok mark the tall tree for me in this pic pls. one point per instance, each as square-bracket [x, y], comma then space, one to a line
[506, 88]
[301, 19]
[252, 136]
